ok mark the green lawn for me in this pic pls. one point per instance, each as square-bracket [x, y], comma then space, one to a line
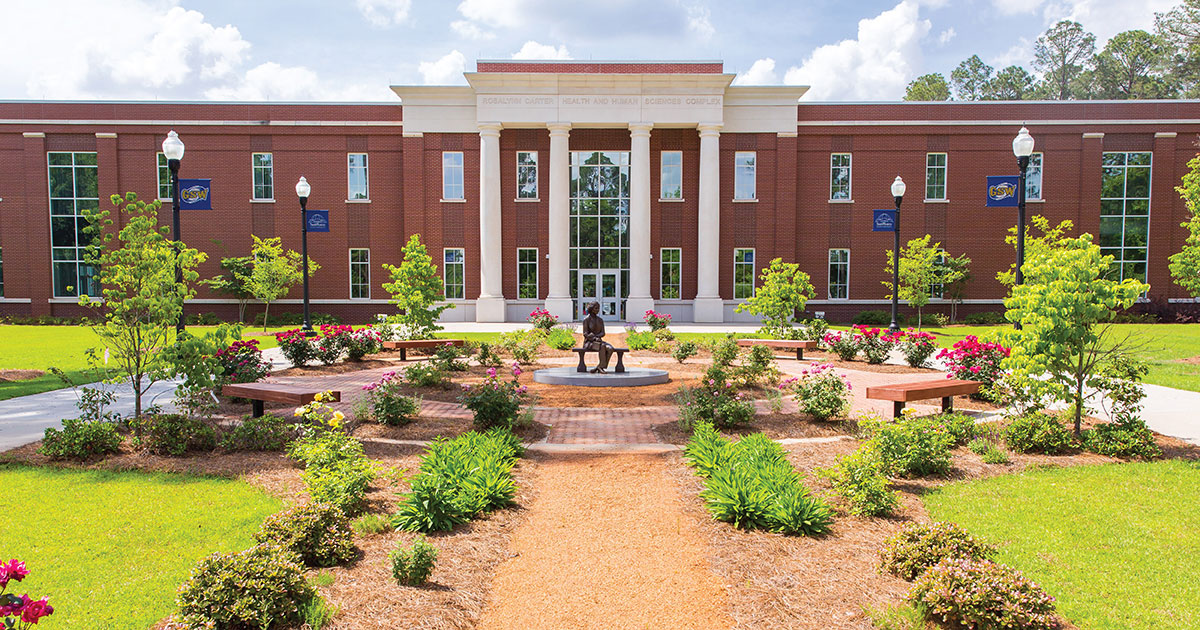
[110, 548]
[1115, 544]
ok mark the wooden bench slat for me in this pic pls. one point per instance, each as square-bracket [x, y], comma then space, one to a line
[778, 343]
[908, 392]
[404, 344]
[258, 393]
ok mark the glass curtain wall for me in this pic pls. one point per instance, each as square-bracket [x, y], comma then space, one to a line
[600, 225]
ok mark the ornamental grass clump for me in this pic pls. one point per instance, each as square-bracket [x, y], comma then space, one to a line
[386, 402]
[318, 533]
[984, 595]
[820, 392]
[975, 360]
[919, 546]
[498, 403]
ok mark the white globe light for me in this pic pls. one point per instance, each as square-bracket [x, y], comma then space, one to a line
[173, 147]
[898, 187]
[1023, 143]
[302, 188]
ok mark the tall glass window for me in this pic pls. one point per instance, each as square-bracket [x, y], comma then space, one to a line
[164, 177]
[73, 192]
[360, 274]
[935, 176]
[454, 273]
[937, 289]
[1033, 178]
[264, 176]
[527, 175]
[839, 274]
[744, 167]
[527, 273]
[839, 176]
[1125, 212]
[356, 176]
[600, 225]
[452, 175]
[743, 273]
[671, 175]
[670, 273]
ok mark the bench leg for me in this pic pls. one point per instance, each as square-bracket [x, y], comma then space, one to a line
[256, 408]
[403, 354]
[947, 404]
[799, 354]
[897, 409]
[620, 363]
[582, 367]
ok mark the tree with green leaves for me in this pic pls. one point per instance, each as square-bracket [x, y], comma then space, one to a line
[235, 282]
[1062, 54]
[1010, 84]
[971, 79]
[955, 275]
[416, 288]
[783, 292]
[1132, 65]
[142, 301]
[1185, 265]
[1180, 29]
[920, 269]
[928, 87]
[275, 272]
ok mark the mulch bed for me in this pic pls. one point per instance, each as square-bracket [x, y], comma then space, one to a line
[13, 376]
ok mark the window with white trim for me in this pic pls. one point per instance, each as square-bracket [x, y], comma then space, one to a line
[1033, 178]
[527, 273]
[937, 290]
[360, 274]
[744, 175]
[164, 178]
[839, 176]
[73, 193]
[670, 273]
[935, 176]
[1125, 212]
[454, 273]
[839, 274]
[264, 176]
[527, 175]
[743, 273]
[670, 185]
[357, 186]
[452, 175]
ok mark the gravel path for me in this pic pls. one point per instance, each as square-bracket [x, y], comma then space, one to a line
[606, 545]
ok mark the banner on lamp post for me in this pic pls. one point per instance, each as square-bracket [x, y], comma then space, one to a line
[885, 221]
[1002, 191]
[195, 194]
[316, 220]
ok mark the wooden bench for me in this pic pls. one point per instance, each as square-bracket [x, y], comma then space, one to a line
[786, 344]
[901, 393]
[620, 352]
[258, 393]
[405, 344]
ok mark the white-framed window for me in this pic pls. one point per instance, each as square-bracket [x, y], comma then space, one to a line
[1125, 212]
[743, 273]
[360, 274]
[454, 272]
[527, 273]
[452, 175]
[73, 193]
[264, 176]
[357, 184]
[937, 290]
[527, 175]
[744, 175]
[1033, 178]
[670, 273]
[670, 185]
[164, 178]
[839, 274]
[935, 176]
[839, 176]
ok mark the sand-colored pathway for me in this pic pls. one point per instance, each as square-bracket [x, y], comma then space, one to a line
[606, 545]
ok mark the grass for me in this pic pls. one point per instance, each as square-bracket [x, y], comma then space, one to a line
[1115, 544]
[110, 548]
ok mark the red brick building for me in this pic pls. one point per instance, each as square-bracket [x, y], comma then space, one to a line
[645, 185]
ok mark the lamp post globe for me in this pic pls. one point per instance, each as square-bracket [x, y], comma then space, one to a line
[898, 189]
[172, 148]
[302, 191]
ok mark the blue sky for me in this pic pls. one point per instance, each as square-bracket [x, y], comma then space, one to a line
[353, 49]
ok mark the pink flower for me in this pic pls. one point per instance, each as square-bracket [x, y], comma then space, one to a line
[522, 389]
[14, 570]
[15, 609]
[516, 371]
[491, 372]
[34, 611]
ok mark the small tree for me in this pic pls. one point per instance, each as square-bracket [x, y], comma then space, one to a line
[235, 282]
[920, 269]
[275, 272]
[142, 300]
[785, 291]
[415, 289]
[956, 275]
[1185, 265]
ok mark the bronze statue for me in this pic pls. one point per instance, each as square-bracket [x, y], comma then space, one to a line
[593, 337]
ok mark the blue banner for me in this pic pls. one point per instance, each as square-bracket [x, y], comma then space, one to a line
[885, 221]
[1002, 191]
[195, 194]
[317, 220]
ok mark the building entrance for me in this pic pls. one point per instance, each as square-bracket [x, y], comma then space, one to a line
[596, 285]
[599, 256]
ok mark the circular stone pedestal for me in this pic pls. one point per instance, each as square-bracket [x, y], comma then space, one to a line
[631, 377]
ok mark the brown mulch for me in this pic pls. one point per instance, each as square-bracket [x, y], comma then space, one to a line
[20, 375]
[1189, 360]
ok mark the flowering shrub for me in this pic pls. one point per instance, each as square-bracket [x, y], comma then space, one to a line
[426, 375]
[497, 403]
[820, 392]
[318, 533]
[874, 345]
[684, 350]
[362, 342]
[446, 358]
[541, 318]
[335, 468]
[917, 347]
[841, 344]
[656, 321]
[19, 612]
[296, 347]
[242, 362]
[975, 360]
[387, 404]
[522, 345]
[261, 587]
[716, 400]
[919, 546]
[984, 595]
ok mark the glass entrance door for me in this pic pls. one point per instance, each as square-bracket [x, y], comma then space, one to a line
[603, 286]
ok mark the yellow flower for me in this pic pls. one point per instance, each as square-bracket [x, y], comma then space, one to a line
[299, 411]
[338, 416]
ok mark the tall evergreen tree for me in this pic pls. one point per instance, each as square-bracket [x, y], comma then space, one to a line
[1132, 65]
[928, 87]
[1010, 84]
[970, 79]
[1180, 29]
[1063, 53]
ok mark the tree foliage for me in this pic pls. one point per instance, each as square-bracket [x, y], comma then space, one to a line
[1185, 265]
[1062, 53]
[415, 289]
[928, 87]
[275, 271]
[784, 291]
[971, 79]
[1132, 65]
[1180, 29]
[1013, 83]
[921, 267]
[235, 282]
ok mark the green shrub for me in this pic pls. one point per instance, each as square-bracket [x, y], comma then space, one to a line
[335, 468]
[724, 351]
[447, 357]
[386, 403]
[640, 340]
[261, 587]
[995, 455]
[371, 524]
[912, 550]
[522, 345]
[316, 613]
[172, 434]
[814, 330]
[715, 401]
[820, 392]
[912, 446]
[426, 375]
[1037, 432]
[683, 351]
[487, 356]
[758, 364]
[265, 433]
[872, 318]
[412, 566]
[984, 319]
[560, 339]
[860, 479]
[318, 533]
[982, 594]
[1122, 439]
[960, 426]
[80, 440]
[980, 445]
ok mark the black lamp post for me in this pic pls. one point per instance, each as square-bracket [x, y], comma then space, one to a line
[898, 189]
[173, 149]
[1022, 148]
[302, 190]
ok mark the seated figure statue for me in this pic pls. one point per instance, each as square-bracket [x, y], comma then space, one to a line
[593, 337]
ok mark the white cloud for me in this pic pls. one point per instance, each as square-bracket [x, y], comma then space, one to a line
[445, 71]
[761, 72]
[534, 50]
[945, 36]
[698, 22]
[1106, 18]
[271, 81]
[1019, 54]
[384, 13]
[1014, 7]
[589, 22]
[470, 30]
[495, 13]
[876, 65]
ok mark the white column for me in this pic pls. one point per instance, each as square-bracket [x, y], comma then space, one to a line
[490, 305]
[558, 300]
[708, 306]
[639, 300]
